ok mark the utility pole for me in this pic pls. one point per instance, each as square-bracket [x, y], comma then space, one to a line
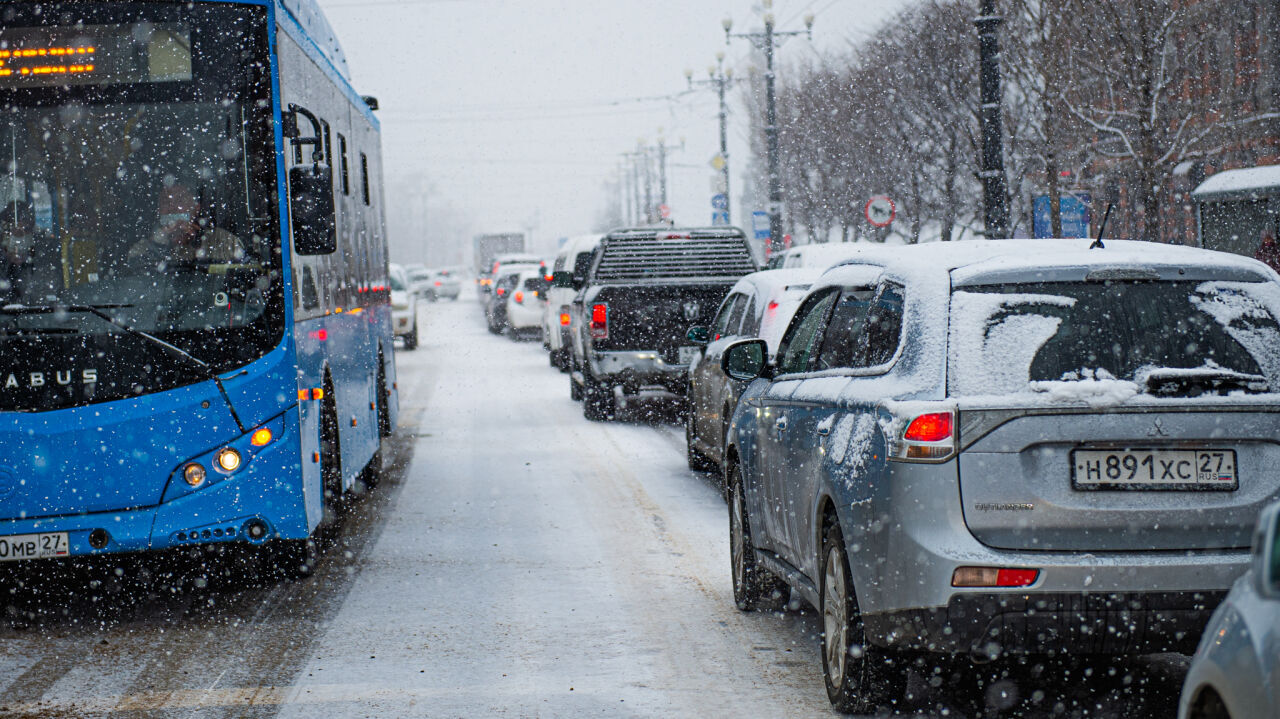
[643, 152]
[662, 174]
[767, 42]
[994, 194]
[719, 78]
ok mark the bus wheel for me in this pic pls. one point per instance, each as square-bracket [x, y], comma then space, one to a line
[330, 458]
[293, 559]
[384, 412]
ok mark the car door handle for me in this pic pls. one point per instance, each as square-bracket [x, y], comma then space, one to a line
[781, 424]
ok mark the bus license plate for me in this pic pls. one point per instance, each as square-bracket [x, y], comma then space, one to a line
[34, 546]
[1154, 469]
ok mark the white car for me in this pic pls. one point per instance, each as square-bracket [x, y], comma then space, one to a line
[820, 256]
[1236, 670]
[573, 260]
[404, 308]
[525, 303]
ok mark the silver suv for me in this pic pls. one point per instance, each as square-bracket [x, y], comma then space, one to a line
[983, 448]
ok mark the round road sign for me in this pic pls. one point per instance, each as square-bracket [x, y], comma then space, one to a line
[880, 211]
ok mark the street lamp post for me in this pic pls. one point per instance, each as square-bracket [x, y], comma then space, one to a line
[994, 194]
[767, 41]
[719, 78]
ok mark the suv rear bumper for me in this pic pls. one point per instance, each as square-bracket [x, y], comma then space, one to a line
[906, 541]
[635, 371]
[986, 626]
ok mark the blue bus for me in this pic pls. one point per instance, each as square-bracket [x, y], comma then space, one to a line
[195, 328]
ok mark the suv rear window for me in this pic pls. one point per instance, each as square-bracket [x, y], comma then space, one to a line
[1115, 339]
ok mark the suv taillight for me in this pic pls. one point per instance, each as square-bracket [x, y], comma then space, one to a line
[565, 317]
[924, 436]
[600, 322]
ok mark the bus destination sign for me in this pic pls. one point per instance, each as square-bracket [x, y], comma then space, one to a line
[94, 55]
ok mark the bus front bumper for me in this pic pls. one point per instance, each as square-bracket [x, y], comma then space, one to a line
[263, 500]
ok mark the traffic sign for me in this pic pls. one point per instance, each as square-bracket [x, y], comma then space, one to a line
[720, 201]
[880, 211]
[665, 211]
[718, 162]
[760, 224]
[720, 217]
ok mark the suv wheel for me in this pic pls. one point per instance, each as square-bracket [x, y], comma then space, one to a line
[754, 587]
[698, 461]
[597, 401]
[860, 677]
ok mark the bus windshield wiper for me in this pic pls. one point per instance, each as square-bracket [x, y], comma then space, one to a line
[100, 311]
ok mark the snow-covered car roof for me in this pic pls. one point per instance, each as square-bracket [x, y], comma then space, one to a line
[973, 262]
[766, 282]
[580, 243]
[821, 256]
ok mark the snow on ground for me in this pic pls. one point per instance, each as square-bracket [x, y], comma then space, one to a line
[540, 564]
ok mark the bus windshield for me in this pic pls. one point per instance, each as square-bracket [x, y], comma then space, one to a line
[140, 182]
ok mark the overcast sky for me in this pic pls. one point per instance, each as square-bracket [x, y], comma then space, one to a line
[512, 114]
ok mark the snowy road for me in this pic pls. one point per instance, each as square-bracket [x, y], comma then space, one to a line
[516, 561]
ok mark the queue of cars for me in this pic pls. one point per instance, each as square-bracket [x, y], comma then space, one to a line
[972, 450]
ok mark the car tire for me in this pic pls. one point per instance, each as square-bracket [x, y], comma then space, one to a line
[575, 390]
[697, 461]
[754, 587]
[597, 402]
[411, 339]
[552, 360]
[860, 677]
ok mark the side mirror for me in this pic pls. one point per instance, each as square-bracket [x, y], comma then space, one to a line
[698, 335]
[745, 360]
[1266, 553]
[312, 210]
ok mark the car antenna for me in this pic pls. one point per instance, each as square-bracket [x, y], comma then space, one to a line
[1097, 244]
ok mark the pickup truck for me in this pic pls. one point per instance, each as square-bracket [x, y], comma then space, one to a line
[645, 288]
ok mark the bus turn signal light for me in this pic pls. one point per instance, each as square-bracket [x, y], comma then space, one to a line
[261, 437]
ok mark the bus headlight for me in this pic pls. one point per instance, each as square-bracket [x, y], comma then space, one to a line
[229, 459]
[194, 474]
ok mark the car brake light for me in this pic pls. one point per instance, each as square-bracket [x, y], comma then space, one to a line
[439, 283]
[993, 577]
[565, 320]
[599, 322]
[548, 278]
[501, 291]
[933, 427]
[519, 298]
[928, 437]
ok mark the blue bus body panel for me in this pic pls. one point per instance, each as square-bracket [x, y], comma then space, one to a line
[103, 457]
[264, 488]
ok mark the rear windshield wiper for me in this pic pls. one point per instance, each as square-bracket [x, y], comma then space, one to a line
[1195, 382]
[100, 311]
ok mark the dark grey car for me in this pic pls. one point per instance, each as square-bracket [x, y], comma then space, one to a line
[1007, 447]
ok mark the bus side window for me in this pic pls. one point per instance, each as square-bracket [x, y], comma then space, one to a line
[342, 159]
[310, 297]
[364, 175]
